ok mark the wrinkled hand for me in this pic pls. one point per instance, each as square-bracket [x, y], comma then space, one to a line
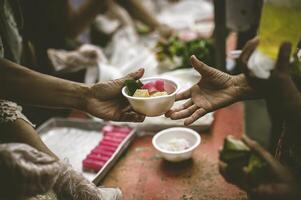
[215, 90]
[284, 185]
[279, 90]
[107, 102]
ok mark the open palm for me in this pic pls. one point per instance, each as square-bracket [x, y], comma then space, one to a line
[215, 90]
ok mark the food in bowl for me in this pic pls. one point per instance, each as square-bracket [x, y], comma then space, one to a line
[176, 144]
[150, 89]
[154, 96]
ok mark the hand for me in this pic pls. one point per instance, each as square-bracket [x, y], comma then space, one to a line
[215, 90]
[283, 186]
[279, 90]
[106, 101]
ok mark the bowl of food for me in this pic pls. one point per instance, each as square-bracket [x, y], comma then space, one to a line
[176, 144]
[151, 96]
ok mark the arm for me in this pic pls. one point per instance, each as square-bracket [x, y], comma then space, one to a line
[81, 18]
[103, 100]
[20, 84]
[138, 11]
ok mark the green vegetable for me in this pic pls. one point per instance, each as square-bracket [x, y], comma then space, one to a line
[203, 49]
[238, 156]
[257, 169]
[235, 153]
[132, 86]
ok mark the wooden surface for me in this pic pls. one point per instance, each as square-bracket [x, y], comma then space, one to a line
[143, 175]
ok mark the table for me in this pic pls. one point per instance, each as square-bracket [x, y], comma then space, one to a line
[143, 175]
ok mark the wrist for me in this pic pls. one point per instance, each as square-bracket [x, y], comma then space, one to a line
[245, 91]
[83, 94]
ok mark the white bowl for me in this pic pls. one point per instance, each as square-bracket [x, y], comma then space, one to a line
[166, 135]
[154, 106]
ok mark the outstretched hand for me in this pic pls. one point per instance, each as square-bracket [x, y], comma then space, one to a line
[215, 90]
[107, 102]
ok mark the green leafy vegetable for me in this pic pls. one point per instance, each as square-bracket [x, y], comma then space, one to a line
[203, 49]
[238, 156]
[235, 153]
[257, 169]
[132, 86]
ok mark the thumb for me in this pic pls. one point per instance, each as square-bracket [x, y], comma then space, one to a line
[284, 57]
[201, 67]
[135, 75]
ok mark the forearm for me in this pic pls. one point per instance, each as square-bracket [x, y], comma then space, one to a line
[20, 131]
[81, 18]
[20, 84]
[138, 11]
[120, 13]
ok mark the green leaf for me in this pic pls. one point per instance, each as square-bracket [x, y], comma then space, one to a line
[132, 86]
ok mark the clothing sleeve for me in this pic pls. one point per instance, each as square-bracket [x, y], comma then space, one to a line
[10, 112]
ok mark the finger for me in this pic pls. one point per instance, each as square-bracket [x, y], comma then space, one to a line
[184, 113]
[179, 108]
[195, 116]
[126, 109]
[135, 75]
[246, 53]
[284, 57]
[274, 165]
[201, 67]
[183, 95]
[131, 116]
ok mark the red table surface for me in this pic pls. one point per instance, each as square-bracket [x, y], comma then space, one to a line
[142, 175]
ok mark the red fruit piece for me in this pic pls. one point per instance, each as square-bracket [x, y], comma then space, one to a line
[150, 87]
[159, 84]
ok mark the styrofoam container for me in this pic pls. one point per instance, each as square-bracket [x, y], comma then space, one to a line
[154, 106]
[166, 135]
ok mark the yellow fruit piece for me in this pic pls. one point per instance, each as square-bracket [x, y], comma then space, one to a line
[141, 93]
[158, 94]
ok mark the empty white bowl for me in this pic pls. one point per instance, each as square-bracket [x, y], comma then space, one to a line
[153, 106]
[161, 138]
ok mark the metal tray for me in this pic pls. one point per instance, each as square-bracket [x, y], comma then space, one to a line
[75, 146]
